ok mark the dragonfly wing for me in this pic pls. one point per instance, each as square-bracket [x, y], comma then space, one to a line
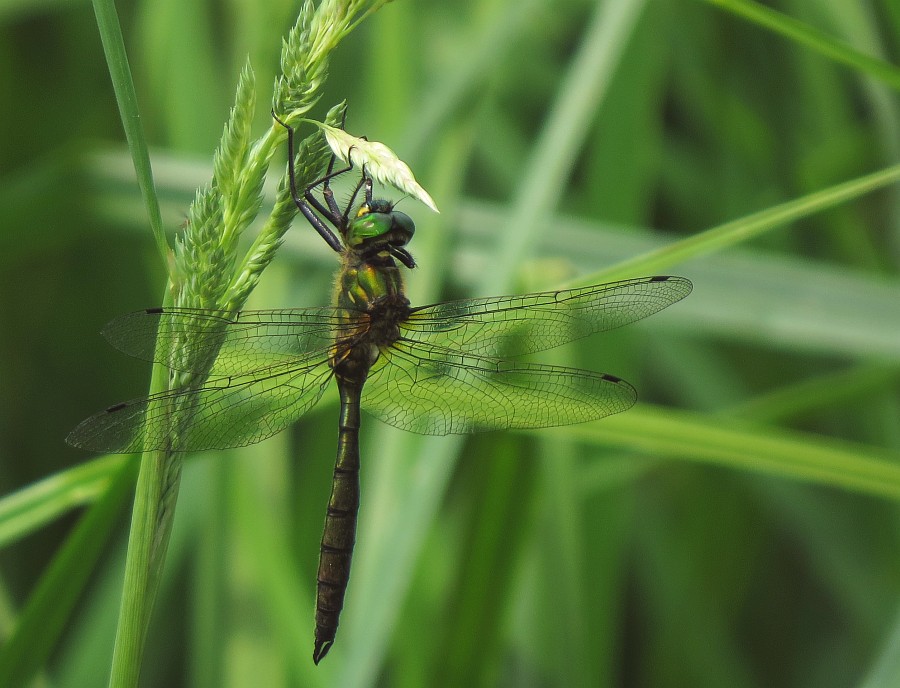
[192, 340]
[223, 413]
[435, 391]
[515, 325]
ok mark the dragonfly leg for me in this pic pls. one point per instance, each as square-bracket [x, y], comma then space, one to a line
[366, 181]
[334, 211]
[317, 223]
[403, 256]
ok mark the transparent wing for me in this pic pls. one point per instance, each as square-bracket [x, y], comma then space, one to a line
[515, 325]
[267, 368]
[226, 412]
[435, 391]
[238, 342]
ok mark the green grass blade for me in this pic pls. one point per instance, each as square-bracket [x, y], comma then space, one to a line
[554, 154]
[49, 607]
[487, 50]
[23, 512]
[745, 228]
[885, 672]
[564, 560]
[504, 491]
[813, 38]
[123, 85]
[264, 540]
[780, 453]
[832, 390]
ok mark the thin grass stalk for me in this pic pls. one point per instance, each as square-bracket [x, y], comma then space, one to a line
[206, 271]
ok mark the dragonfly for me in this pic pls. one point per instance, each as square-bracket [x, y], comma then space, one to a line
[440, 369]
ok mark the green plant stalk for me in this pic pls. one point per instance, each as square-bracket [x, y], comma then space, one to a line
[135, 609]
[151, 525]
[123, 85]
[205, 271]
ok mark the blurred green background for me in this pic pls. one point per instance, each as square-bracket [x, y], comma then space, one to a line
[558, 138]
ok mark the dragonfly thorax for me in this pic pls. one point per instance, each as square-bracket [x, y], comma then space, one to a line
[367, 333]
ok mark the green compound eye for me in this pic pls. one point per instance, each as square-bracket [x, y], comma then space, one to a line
[391, 228]
[404, 226]
[368, 226]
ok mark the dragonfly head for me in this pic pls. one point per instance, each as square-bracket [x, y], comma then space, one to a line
[378, 227]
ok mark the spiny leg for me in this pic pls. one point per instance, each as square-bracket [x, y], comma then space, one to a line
[334, 211]
[309, 204]
[364, 180]
[317, 223]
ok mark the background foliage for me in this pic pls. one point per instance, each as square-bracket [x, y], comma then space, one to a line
[739, 527]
